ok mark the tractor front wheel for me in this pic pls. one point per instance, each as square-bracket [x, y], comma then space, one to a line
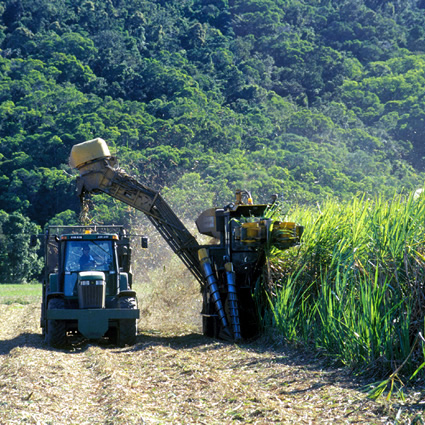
[127, 328]
[56, 329]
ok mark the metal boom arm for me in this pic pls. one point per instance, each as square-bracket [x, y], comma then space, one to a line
[104, 175]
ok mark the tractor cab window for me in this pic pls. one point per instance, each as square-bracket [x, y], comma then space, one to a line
[89, 255]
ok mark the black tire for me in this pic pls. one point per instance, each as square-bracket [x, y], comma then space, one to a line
[112, 334]
[210, 321]
[56, 329]
[127, 328]
[248, 315]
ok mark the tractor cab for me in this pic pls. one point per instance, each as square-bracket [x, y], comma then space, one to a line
[88, 284]
[91, 255]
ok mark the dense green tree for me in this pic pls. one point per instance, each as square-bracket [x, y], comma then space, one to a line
[19, 262]
[307, 99]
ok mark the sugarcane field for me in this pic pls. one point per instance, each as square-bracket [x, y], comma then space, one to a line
[173, 374]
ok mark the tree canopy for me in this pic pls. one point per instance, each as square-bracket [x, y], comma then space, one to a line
[309, 100]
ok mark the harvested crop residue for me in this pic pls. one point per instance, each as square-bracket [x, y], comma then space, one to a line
[172, 378]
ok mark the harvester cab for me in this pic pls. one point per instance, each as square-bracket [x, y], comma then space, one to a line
[87, 287]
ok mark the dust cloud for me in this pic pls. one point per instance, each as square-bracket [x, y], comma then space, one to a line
[168, 294]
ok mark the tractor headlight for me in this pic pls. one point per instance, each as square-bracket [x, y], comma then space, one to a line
[84, 282]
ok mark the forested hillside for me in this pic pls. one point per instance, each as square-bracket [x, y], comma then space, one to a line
[308, 99]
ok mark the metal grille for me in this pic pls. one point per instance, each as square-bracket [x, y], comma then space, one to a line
[91, 296]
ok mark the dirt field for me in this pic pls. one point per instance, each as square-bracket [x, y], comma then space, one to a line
[172, 377]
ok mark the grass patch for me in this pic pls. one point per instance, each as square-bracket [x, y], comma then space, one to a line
[20, 293]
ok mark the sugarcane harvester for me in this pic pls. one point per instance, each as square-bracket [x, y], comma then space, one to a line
[228, 269]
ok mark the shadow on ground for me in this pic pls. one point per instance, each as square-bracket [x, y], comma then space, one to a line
[23, 340]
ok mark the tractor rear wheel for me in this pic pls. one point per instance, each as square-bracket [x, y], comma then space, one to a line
[56, 329]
